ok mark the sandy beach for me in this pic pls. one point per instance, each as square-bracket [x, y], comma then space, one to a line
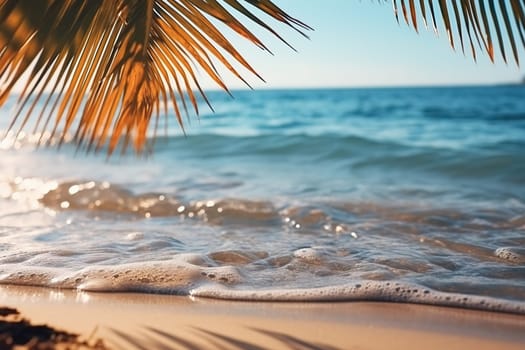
[143, 321]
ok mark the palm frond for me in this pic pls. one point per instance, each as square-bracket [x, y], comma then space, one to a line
[115, 63]
[486, 23]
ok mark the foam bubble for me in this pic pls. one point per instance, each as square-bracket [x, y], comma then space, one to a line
[307, 254]
[366, 291]
[170, 277]
[190, 274]
[515, 255]
[29, 276]
[134, 236]
[176, 276]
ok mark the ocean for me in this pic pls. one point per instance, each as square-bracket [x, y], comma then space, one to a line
[390, 194]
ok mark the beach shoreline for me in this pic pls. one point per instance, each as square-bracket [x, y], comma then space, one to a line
[129, 320]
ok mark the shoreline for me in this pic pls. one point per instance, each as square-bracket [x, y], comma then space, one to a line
[129, 320]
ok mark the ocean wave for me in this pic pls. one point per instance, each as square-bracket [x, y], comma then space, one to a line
[498, 159]
[193, 275]
[502, 161]
[286, 195]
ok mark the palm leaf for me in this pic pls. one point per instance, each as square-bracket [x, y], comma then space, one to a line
[113, 63]
[484, 22]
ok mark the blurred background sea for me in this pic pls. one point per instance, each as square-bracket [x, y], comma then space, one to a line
[285, 194]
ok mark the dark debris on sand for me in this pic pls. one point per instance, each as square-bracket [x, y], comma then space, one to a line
[18, 333]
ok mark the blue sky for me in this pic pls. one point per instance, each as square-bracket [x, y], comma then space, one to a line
[359, 43]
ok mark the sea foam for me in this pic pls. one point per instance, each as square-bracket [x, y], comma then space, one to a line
[191, 275]
[387, 291]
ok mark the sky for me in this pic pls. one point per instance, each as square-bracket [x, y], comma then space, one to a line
[358, 43]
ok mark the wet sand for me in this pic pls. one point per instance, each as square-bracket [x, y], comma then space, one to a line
[145, 321]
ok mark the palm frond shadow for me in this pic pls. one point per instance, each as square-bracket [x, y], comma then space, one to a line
[294, 342]
[147, 341]
[154, 338]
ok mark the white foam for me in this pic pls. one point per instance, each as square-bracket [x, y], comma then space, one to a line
[29, 276]
[310, 255]
[176, 276]
[511, 254]
[189, 274]
[366, 291]
[173, 277]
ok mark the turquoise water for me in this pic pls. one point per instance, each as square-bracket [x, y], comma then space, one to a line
[400, 194]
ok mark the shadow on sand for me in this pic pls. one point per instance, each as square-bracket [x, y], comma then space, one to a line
[153, 338]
